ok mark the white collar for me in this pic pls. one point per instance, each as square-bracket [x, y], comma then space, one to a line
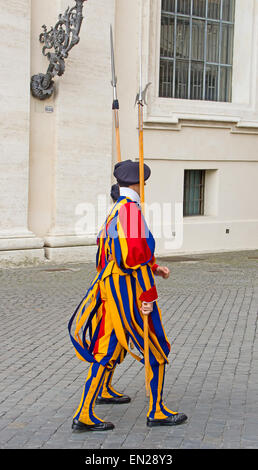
[129, 192]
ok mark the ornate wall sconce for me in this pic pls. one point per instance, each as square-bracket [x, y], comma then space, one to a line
[61, 38]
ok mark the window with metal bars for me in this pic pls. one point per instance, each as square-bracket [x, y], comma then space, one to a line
[196, 49]
[194, 181]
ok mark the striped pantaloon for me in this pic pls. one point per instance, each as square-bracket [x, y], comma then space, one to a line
[107, 352]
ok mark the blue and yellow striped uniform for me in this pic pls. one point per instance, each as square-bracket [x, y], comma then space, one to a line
[109, 314]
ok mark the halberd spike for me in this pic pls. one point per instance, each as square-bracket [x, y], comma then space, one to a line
[144, 92]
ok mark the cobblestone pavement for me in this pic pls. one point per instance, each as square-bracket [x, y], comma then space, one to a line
[209, 304]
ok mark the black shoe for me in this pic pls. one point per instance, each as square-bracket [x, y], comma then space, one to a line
[113, 400]
[172, 420]
[77, 426]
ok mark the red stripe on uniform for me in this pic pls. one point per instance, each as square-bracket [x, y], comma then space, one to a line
[101, 330]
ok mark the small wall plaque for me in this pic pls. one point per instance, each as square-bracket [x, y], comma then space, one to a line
[49, 109]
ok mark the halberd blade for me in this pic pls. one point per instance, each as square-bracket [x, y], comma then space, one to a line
[114, 78]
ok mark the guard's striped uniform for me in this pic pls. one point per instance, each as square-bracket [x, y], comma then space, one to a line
[110, 312]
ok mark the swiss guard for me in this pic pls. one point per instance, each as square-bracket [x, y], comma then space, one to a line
[110, 316]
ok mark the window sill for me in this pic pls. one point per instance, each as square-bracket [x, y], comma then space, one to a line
[200, 113]
[200, 219]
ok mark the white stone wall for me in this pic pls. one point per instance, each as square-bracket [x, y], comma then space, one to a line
[74, 156]
[56, 166]
[221, 138]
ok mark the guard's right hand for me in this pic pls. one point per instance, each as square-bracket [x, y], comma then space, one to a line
[146, 308]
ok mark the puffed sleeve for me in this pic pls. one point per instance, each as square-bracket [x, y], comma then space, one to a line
[134, 244]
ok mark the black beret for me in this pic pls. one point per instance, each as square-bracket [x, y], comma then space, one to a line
[127, 172]
[115, 193]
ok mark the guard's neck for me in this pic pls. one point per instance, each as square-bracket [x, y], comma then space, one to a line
[130, 193]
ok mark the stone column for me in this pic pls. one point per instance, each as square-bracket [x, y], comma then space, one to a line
[17, 242]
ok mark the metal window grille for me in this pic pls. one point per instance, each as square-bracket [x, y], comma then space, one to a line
[194, 181]
[196, 49]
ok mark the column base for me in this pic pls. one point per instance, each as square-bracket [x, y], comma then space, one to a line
[71, 254]
[21, 249]
[25, 249]
[21, 258]
[61, 248]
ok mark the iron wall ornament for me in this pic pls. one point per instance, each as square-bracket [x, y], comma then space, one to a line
[62, 38]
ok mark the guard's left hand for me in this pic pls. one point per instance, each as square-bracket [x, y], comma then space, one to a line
[162, 271]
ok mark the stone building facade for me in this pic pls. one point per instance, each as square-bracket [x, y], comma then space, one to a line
[57, 155]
